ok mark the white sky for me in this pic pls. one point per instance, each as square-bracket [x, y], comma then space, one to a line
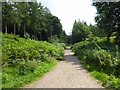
[70, 10]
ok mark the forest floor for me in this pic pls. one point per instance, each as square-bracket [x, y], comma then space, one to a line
[67, 74]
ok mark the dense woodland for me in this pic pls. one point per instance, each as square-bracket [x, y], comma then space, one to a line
[33, 39]
[30, 20]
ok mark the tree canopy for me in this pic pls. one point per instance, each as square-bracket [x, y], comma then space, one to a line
[79, 31]
[30, 19]
[108, 17]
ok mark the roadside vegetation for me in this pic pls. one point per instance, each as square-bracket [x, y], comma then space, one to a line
[32, 42]
[98, 47]
[102, 59]
[25, 60]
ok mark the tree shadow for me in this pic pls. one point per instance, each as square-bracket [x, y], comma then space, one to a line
[69, 58]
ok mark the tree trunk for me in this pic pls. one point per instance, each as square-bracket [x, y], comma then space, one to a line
[117, 41]
[24, 29]
[5, 28]
[14, 29]
[50, 33]
[47, 36]
[108, 37]
[40, 36]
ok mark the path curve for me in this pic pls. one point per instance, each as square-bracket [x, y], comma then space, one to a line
[67, 74]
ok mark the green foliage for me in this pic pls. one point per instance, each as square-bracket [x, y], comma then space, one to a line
[98, 46]
[17, 49]
[79, 32]
[108, 81]
[21, 58]
[11, 78]
[108, 18]
[27, 67]
[30, 20]
[102, 56]
[54, 39]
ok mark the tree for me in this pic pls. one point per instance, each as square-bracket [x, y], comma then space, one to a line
[6, 9]
[57, 27]
[108, 17]
[63, 37]
[30, 18]
[79, 32]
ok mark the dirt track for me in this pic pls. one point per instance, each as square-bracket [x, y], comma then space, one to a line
[67, 74]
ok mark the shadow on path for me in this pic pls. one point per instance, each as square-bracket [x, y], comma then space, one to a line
[67, 74]
[70, 58]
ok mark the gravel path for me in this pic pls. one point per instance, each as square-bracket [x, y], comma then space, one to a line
[67, 74]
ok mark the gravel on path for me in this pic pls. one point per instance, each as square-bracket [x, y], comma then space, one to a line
[67, 74]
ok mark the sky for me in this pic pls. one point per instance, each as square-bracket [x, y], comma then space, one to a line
[70, 10]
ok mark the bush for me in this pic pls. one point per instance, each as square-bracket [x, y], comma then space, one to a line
[27, 67]
[102, 56]
[15, 50]
[24, 57]
[54, 39]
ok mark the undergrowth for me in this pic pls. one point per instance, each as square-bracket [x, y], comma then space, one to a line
[102, 59]
[24, 60]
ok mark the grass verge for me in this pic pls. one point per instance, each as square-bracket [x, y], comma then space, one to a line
[15, 81]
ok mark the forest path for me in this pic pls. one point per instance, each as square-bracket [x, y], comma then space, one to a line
[67, 74]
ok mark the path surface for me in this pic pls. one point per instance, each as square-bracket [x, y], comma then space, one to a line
[67, 74]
